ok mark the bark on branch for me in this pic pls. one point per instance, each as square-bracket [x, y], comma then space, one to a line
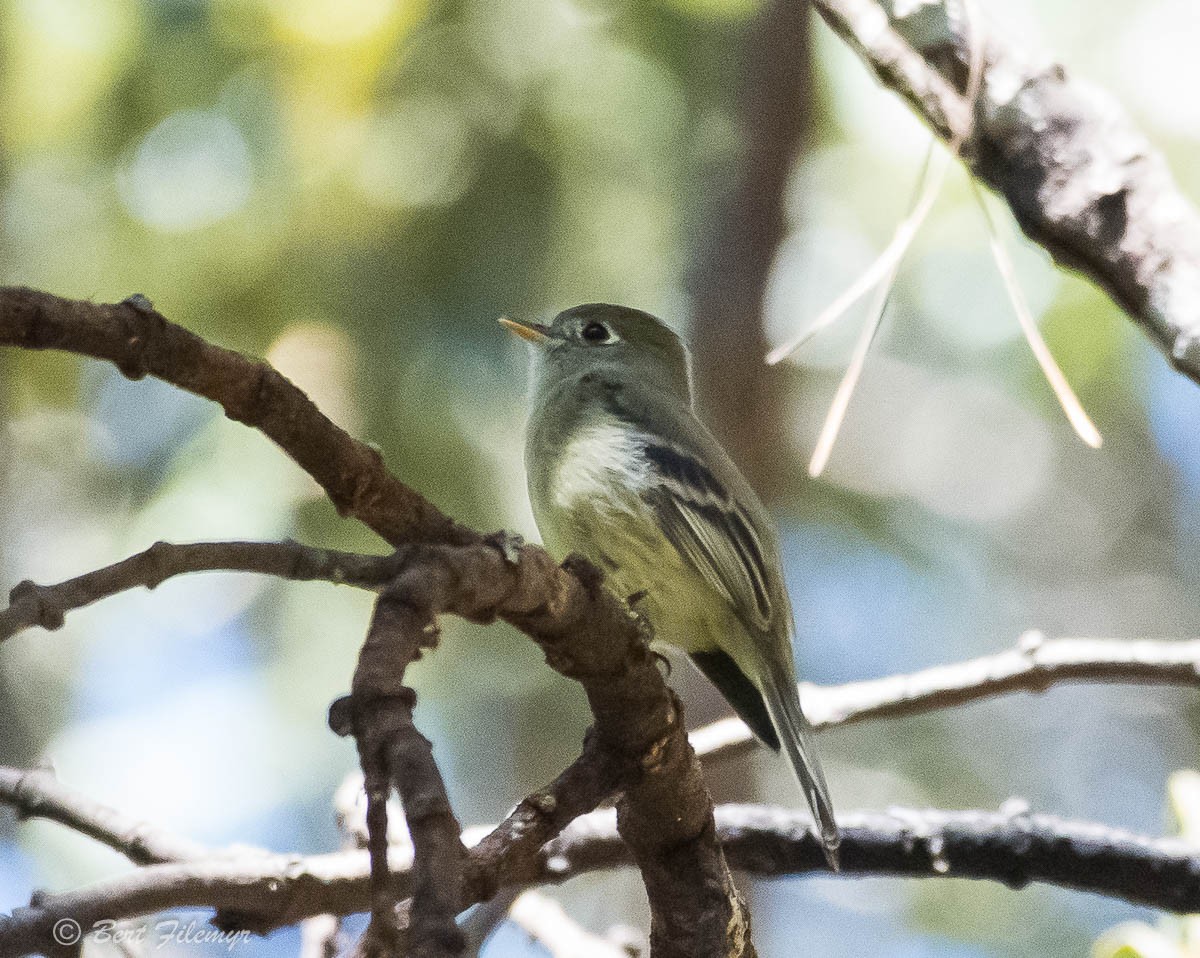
[47, 605]
[378, 712]
[1034, 666]
[585, 632]
[140, 342]
[1079, 177]
[511, 856]
[637, 749]
[1014, 846]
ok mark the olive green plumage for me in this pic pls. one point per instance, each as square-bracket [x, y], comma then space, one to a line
[622, 471]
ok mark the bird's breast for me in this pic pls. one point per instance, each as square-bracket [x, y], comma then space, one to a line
[596, 504]
[603, 465]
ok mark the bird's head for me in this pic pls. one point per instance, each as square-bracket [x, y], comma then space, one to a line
[602, 336]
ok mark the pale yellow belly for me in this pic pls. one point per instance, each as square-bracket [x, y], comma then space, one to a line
[624, 541]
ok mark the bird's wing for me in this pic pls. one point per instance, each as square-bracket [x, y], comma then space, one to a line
[711, 530]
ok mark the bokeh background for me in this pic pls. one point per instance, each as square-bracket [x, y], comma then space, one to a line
[356, 189]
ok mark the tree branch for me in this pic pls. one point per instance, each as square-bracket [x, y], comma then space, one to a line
[587, 634]
[512, 855]
[1079, 177]
[547, 922]
[1012, 846]
[378, 712]
[140, 342]
[1034, 666]
[37, 793]
[47, 605]
[636, 749]
[321, 936]
[637, 744]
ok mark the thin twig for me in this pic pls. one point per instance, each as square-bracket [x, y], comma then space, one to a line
[483, 920]
[37, 793]
[883, 269]
[1034, 666]
[1079, 419]
[928, 184]
[47, 605]
[512, 855]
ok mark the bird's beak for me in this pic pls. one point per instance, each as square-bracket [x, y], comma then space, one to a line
[534, 332]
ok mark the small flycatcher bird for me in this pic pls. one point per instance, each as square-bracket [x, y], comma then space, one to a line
[622, 471]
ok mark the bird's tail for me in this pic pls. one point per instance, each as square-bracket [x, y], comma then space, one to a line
[795, 736]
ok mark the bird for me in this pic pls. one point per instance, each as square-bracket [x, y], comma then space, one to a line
[621, 470]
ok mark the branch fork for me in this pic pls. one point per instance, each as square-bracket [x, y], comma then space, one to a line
[637, 752]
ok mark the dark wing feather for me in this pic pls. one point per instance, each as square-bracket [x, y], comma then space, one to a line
[720, 669]
[712, 531]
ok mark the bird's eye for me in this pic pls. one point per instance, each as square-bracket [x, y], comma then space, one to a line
[595, 333]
